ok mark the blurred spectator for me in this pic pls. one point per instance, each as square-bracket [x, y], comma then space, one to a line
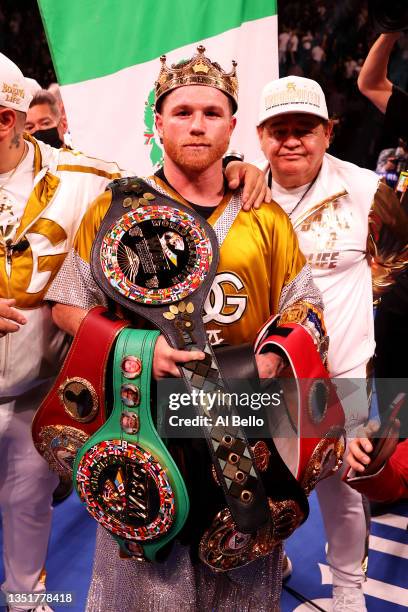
[44, 120]
[283, 40]
[293, 45]
[307, 40]
[334, 41]
[350, 66]
[360, 63]
[318, 55]
[393, 161]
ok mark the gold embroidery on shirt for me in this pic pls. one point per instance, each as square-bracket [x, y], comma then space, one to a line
[323, 224]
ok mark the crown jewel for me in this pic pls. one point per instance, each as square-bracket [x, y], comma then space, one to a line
[199, 70]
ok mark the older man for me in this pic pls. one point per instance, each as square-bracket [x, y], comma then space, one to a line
[342, 216]
[261, 272]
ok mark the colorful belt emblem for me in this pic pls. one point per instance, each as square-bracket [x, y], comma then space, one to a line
[124, 474]
[156, 255]
[126, 490]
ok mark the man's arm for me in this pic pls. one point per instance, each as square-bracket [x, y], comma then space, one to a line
[165, 358]
[299, 301]
[68, 318]
[255, 191]
[372, 80]
[390, 483]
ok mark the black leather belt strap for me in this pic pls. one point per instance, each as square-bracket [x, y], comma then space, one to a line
[237, 362]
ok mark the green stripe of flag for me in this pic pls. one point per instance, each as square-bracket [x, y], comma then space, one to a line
[94, 38]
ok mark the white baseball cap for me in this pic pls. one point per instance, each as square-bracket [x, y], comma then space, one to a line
[14, 91]
[292, 94]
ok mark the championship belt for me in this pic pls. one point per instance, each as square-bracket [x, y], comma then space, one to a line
[124, 473]
[158, 259]
[313, 407]
[75, 406]
[293, 464]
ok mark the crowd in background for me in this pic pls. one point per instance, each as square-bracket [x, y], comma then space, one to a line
[328, 42]
[321, 40]
[22, 39]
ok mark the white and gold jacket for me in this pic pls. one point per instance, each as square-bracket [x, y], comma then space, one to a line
[65, 183]
[354, 234]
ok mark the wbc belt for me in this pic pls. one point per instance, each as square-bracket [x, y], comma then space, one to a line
[75, 406]
[158, 259]
[124, 473]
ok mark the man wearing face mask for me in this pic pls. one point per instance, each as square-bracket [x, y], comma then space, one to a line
[44, 119]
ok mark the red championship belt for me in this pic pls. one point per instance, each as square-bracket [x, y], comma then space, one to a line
[305, 444]
[74, 409]
[313, 408]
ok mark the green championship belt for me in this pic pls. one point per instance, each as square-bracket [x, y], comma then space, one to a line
[158, 258]
[124, 473]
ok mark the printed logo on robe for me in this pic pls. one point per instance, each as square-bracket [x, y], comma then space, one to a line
[36, 262]
[323, 226]
[8, 220]
[224, 305]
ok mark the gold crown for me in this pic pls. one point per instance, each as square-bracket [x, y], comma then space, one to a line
[199, 70]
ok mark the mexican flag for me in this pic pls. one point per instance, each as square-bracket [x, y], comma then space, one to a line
[106, 57]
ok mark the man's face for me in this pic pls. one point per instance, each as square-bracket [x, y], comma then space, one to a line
[131, 366]
[129, 422]
[40, 117]
[195, 124]
[294, 145]
[174, 240]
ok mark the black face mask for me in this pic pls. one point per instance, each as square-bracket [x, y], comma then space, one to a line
[49, 136]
